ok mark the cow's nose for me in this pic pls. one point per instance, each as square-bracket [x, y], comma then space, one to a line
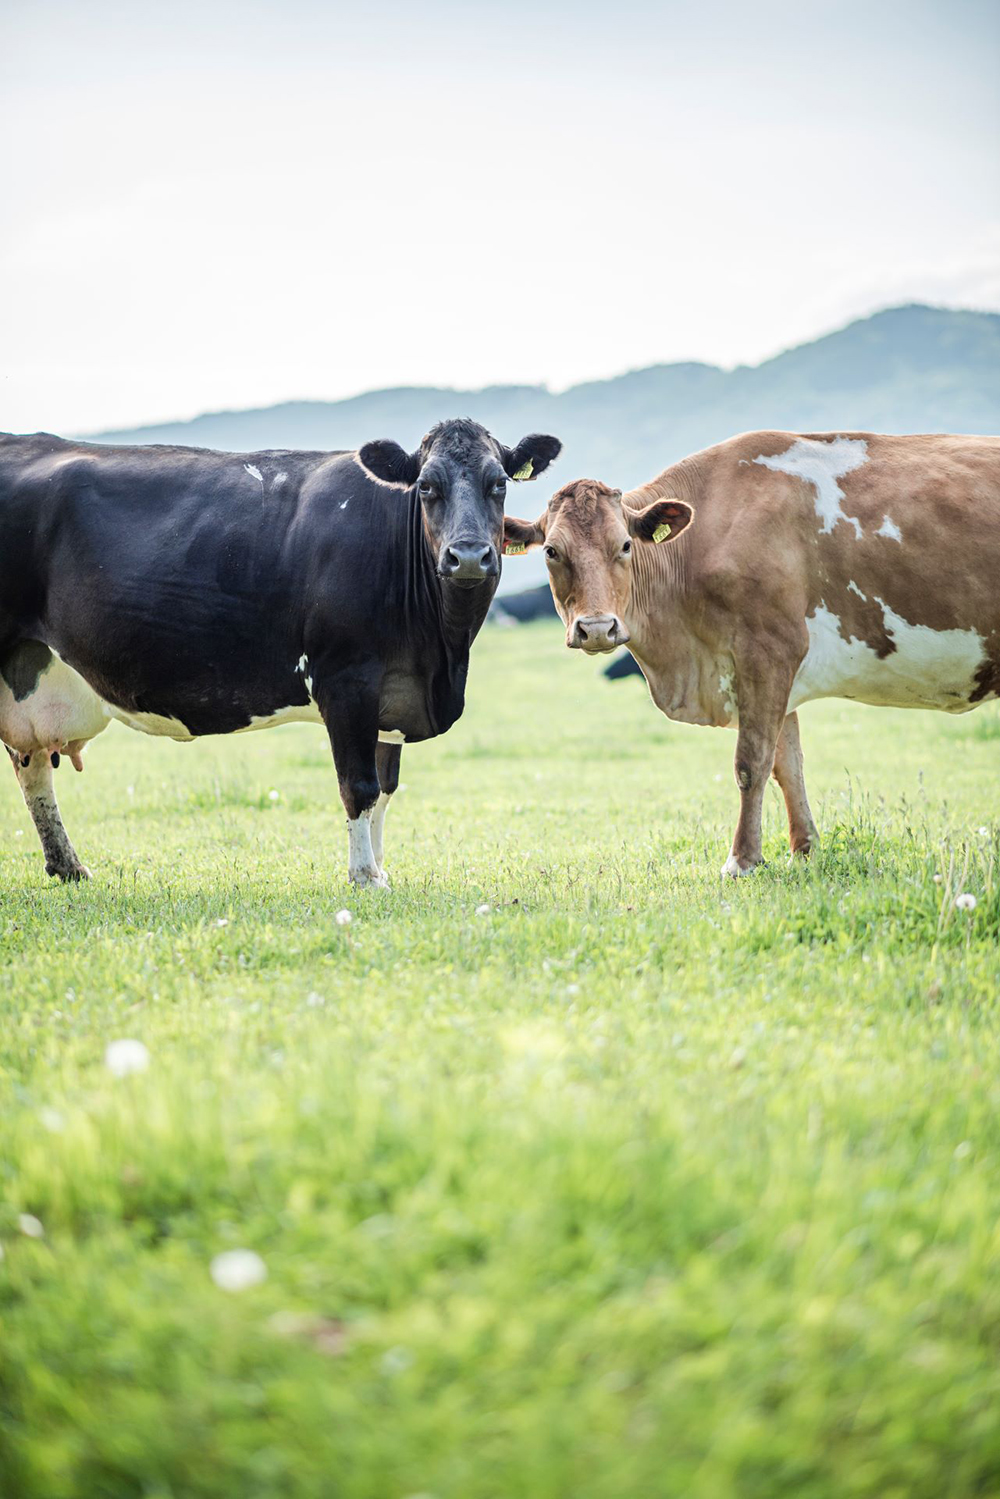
[467, 563]
[597, 632]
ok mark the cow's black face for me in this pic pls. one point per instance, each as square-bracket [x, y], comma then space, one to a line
[460, 476]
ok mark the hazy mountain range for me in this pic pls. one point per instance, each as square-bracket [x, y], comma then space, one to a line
[908, 369]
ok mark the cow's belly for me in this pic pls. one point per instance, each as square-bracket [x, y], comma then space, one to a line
[927, 669]
[45, 704]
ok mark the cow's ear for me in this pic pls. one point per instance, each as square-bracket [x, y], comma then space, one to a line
[387, 462]
[519, 535]
[663, 520]
[531, 457]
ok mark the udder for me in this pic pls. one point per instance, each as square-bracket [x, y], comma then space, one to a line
[45, 704]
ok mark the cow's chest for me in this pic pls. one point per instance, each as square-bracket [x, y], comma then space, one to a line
[694, 685]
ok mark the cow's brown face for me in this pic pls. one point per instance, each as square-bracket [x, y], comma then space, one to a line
[588, 538]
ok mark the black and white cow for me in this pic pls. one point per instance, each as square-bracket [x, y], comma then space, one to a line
[187, 592]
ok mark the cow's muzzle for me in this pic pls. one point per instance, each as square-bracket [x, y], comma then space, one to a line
[597, 633]
[468, 563]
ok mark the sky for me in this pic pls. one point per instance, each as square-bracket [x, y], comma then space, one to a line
[211, 206]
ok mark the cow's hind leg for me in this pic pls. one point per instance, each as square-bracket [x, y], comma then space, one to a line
[788, 773]
[387, 758]
[34, 776]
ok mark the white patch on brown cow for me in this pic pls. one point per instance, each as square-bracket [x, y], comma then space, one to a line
[890, 529]
[928, 669]
[727, 688]
[821, 464]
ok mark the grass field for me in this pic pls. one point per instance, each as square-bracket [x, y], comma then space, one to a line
[634, 1184]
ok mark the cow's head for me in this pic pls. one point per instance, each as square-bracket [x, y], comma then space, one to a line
[460, 476]
[589, 540]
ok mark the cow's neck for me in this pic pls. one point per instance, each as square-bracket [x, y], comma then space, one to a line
[690, 673]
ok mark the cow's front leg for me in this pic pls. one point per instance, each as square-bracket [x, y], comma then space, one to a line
[349, 705]
[34, 776]
[788, 773]
[762, 714]
[387, 761]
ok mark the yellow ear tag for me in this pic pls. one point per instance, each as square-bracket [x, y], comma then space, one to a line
[662, 532]
[513, 548]
[524, 472]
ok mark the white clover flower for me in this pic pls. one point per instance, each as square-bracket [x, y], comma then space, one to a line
[965, 902]
[484, 909]
[343, 918]
[238, 1270]
[222, 921]
[274, 796]
[125, 1057]
[315, 1001]
[983, 832]
[30, 1225]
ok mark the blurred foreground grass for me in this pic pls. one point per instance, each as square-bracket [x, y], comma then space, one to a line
[633, 1185]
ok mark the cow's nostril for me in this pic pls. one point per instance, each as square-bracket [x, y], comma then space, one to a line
[581, 632]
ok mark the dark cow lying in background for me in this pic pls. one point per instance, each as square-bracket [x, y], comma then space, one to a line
[624, 665]
[525, 607]
[848, 565]
[186, 592]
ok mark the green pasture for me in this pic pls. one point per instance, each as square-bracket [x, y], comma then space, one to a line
[575, 1173]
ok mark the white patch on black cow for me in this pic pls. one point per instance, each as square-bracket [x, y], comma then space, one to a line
[60, 709]
[255, 473]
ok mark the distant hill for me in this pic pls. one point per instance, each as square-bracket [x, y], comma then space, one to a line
[908, 369]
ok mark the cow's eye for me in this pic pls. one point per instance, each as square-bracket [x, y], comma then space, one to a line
[551, 553]
[425, 488]
[626, 548]
[500, 487]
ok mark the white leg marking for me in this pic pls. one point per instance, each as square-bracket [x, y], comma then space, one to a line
[391, 736]
[734, 870]
[821, 464]
[378, 827]
[362, 866]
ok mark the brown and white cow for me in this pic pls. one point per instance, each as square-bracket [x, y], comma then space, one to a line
[776, 568]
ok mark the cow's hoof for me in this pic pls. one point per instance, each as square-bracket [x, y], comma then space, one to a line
[734, 870]
[369, 879]
[70, 874]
